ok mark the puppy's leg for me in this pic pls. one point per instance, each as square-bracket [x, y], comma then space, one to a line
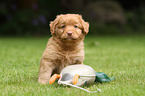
[45, 71]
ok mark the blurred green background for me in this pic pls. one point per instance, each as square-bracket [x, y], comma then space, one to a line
[106, 17]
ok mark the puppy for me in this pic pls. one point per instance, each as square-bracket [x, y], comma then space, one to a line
[65, 47]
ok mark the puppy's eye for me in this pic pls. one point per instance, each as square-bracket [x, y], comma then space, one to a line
[63, 26]
[76, 26]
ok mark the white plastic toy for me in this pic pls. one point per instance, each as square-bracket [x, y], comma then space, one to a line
[78, 75]
[75, 76]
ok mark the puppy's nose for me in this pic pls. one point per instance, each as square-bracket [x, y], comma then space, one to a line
[69, 33]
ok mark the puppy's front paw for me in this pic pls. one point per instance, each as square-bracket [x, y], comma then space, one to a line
[42, 81]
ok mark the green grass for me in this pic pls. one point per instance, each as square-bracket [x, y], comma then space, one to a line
[121, 57]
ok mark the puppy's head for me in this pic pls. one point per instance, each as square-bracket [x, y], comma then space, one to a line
[69, 27]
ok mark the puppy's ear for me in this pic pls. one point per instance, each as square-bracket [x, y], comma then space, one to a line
[53, 24]
[85, 25]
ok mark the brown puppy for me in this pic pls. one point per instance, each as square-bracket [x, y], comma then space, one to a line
[65, 47]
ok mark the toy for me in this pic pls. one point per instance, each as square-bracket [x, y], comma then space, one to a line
[78, 75]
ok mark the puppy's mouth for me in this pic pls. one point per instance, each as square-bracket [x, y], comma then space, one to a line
[69, 38]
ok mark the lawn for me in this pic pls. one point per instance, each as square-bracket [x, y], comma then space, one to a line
[122, 57]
